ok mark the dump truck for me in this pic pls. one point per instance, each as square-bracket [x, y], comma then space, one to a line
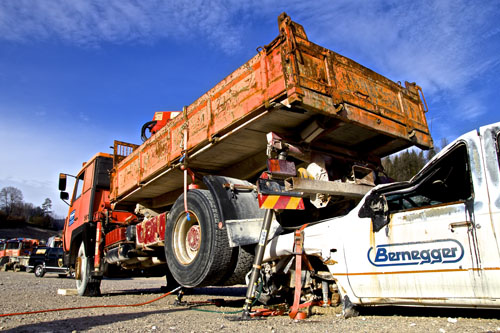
[298, 130]
[430, 241]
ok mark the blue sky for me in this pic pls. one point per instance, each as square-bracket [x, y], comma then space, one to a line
[77, 74]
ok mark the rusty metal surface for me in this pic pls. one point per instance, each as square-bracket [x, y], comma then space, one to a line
[151, 232]
[326, 187]
[289, 84]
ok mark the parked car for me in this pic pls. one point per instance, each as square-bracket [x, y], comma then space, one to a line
[47, 260]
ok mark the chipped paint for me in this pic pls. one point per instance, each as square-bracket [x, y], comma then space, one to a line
[439, 211]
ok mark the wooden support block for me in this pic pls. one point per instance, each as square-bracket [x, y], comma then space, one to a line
[67, 292]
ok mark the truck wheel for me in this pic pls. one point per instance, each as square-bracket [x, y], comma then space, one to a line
[86, 284]
[170, 280]
[197, 249]
[241, 266]
[39, 271]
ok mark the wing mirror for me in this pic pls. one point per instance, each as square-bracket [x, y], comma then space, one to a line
[62, 182]
[377, 209]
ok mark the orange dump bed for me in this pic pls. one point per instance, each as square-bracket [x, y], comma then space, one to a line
[290, 84]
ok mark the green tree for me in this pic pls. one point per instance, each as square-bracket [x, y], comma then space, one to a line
[47, 206]
[403, 166]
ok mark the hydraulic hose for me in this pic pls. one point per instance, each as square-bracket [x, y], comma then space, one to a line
[149, 125]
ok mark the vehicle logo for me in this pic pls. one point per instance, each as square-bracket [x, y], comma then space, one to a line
[441, 251]
[71, 217]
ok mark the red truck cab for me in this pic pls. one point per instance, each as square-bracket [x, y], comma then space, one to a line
[90, 195]
[17, 252]
[3, 245]
[88, 207]
[20, 247]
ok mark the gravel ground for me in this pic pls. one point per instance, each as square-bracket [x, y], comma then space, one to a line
[21, 292]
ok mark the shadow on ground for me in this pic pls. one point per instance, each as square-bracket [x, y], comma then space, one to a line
[86, 322]
[208, 291]
[412, 311]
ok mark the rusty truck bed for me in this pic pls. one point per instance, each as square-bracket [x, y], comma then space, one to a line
[290, 84]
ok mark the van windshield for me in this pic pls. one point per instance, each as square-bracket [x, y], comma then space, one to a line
[447, 181]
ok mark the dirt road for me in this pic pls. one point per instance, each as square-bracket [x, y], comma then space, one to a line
[21, 292]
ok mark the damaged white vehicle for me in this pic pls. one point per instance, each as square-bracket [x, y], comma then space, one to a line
[432, 241]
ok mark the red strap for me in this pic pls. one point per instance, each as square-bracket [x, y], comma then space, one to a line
[298, 273]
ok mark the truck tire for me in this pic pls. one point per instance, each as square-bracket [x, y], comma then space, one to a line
[197, 249]
[39, 271]
[242, 265]
[86, 284]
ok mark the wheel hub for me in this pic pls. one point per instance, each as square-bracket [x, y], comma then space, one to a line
[193, 238]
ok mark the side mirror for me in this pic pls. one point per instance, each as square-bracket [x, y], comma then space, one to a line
[377, 209]
[64, 196]
[62, 182]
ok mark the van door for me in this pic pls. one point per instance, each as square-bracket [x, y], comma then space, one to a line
[429, 251]
[490, 211]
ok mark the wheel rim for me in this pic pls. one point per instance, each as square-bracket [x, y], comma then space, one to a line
[38, 270]
[186, 238]
[79, 268]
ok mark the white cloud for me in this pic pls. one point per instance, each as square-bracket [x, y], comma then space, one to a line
[91, 22]
[83, 116]
[432, 42]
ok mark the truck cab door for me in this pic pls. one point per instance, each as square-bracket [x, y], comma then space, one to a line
[80, 207]
[429, 250]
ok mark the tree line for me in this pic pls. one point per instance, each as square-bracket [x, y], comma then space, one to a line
[403, 166]
[15, 212]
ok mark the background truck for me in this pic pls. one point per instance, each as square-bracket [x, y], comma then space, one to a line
[185, 203]
[3, 245]
[18, 251]
[433, 240]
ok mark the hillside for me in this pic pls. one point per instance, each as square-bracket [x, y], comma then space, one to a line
[27, 232]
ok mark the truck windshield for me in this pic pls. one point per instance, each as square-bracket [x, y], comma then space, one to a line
[13, 246]
[78, 187]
